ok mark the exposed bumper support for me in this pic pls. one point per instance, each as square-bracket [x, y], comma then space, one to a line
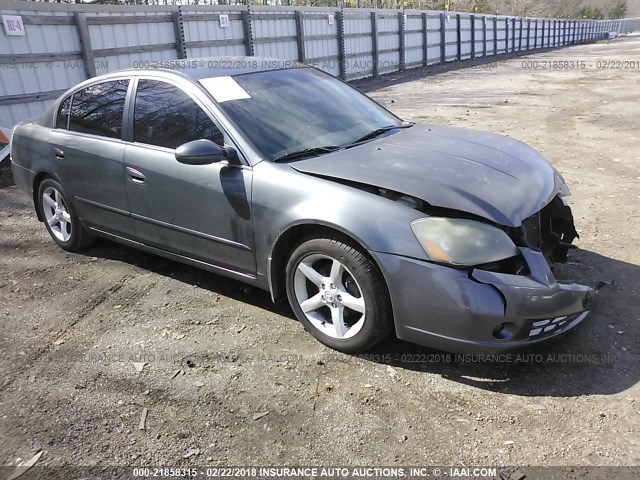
[537, 295]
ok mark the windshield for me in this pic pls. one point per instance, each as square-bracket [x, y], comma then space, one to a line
[287, 111]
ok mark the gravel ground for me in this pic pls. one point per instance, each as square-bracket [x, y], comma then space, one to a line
[231, 379]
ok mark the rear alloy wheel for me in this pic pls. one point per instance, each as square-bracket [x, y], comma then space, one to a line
[56, 214]
[338, 294]
[65, 229]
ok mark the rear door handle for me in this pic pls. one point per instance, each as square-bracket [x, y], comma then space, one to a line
[135, 175]
[59, 153]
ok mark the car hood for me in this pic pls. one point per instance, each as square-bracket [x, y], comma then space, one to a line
[495, 177]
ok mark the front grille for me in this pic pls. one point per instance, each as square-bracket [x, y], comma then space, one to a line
[550, 326]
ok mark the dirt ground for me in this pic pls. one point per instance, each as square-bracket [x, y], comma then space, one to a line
[231, 379]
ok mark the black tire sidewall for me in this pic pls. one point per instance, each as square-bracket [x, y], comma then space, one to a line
[378, 318]
[75, 241]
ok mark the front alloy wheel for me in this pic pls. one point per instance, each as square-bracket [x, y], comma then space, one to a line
[338, 294]
[333, 303]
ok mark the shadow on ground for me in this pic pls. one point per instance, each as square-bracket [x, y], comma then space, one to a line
[600, 357]
[184, 273]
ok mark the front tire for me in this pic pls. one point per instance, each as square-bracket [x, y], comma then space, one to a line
[59, 217]
[338, 294]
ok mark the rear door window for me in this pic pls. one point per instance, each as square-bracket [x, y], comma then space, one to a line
[98, 109]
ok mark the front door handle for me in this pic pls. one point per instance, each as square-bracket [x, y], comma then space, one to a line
[135, 175]
[59, 153]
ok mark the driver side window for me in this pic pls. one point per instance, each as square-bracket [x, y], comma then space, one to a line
[166, 116]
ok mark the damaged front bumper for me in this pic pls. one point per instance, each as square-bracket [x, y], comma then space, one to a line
[477, 311]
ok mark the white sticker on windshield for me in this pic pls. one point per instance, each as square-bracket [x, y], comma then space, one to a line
[224, 89]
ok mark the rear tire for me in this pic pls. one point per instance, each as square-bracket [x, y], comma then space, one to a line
[338, 294]
[59, 217]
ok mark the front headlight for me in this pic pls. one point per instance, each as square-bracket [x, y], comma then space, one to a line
[462, 242]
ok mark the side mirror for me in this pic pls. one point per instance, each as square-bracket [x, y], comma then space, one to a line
[200, 152]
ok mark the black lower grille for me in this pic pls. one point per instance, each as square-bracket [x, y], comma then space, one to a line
[551, 326]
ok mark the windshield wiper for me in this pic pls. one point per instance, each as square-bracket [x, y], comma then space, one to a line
[377, 132]
[307, 152]
[315, 151]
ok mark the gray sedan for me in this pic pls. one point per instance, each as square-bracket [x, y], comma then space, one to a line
[287, 178]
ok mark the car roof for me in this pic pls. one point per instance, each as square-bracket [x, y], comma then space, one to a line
[207, 67]
[192, 68]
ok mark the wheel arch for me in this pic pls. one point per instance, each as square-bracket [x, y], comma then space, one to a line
[37, 180]
[291, 237]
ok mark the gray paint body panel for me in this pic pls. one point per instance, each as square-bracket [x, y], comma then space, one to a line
[92, 169]
[211, 217]
[284, 198]
[495, 177]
